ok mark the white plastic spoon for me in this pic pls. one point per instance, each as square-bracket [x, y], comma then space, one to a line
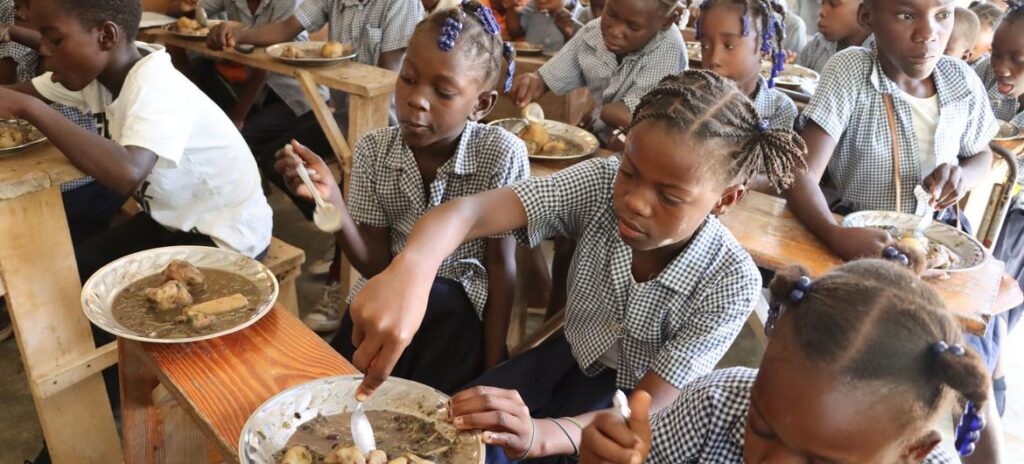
[362, 432]
[622, 404]
[533, 113]
[924, 209]
[201, 16]
[326, 217]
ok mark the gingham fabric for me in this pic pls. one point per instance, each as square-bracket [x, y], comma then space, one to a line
[775, 106]
[586, 62]
[85, 121]
[679, 323]
[269, 11]
[849, 106]
[706, 423]
[819, 50]
[387, 191]
[1005, 108]
[796, 33]
[541, 29]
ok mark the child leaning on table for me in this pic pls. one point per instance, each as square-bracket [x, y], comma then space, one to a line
[550, 23]
[838, 28]
[437, 154]
[864, 364]
[660, 288]
[619, 57]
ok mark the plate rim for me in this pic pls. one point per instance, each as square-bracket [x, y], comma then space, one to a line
[984, 252]
[596, 143]
[307, 61]
[132, 336]
[23, 145]
[1016, 136]
[210, 23]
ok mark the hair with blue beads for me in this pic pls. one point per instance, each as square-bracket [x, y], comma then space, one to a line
[769, 15]
[1014, 10]
[472, 28]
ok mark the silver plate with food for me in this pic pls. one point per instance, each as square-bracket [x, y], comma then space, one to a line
[693, 52]
[311, 53]
[794, 76]
[1007, 132]
[190, 28]
[527, 49]
[179, 294]
[18, 134]
[948, 248]
[310, 421]
[551, 140]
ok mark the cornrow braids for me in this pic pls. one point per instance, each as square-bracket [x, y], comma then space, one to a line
[707, 107]
[480, 39]
[1014, 10]
[875, 321]
[771, 15]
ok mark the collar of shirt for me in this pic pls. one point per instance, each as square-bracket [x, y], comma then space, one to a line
[354, 3]
[595, 39]
[762, 94]
[680, 276]
[460, 163]
[947, 86]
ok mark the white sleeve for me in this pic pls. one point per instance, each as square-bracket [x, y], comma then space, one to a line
[57, 93]
[156, 121]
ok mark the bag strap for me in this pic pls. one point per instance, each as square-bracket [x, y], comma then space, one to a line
[890, 112]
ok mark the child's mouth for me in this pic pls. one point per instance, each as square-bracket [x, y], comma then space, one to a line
[1005, 89]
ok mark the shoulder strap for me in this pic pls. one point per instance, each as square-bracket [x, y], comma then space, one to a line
[890, 113]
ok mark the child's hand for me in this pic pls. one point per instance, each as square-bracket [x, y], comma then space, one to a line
[564, 22]
[610, 439]
[858, 242]
[791, 57]
[12, 103]
[526, 88]
[946, 184]
[319, 173]
[501, 414]
[222, 35]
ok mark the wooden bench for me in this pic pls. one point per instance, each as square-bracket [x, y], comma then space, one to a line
[285, 261]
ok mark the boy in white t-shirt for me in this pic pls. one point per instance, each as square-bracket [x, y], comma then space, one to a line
[163, 140]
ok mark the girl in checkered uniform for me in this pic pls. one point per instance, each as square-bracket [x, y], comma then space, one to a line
[658, 289]
[864, 365]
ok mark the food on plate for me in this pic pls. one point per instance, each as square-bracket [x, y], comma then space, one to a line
[297, 454]
[185, 301]
[11, 137]
[535, 136]
[332, 49]
[292, 52]
[554, 148]
[189, 26]
[937, 256]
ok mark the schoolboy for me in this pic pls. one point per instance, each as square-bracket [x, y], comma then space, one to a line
[988, 14]
[966, 28]
[838, 29]
[550, 23]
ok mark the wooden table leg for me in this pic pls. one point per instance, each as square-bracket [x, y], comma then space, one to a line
[37, 263]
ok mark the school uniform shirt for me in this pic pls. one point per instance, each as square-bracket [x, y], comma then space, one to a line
[796, 33]
[586, 62]
[773, 105]
[706, 423]
[679, 323]
[541, 29]
[387, 191]
[585, 15]
[268, 11]
[849, 106]
[205, 179]
[819, 50]
[1005, 108]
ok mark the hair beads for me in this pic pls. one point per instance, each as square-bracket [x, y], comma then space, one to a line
[510, 57]
[449, 34]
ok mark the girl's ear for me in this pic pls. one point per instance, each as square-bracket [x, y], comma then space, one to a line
[732, 195]
[864, 17]
[484, 104]
[108, 35]
[920, 449]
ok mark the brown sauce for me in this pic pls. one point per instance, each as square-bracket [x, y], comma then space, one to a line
[131, 309]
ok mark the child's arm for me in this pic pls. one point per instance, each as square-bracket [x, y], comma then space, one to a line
[527, 88]
[616, 114]
[27, 37]
[391, 60]
[565, 23]
[367, 247]
[228, 34]
[666, 59]
[116, 167]
[611, 439]
[949, 183]
[512, 20]
[501, 283]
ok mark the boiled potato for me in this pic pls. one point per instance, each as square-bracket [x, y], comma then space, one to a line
[292, 52]
[297, 454]
[399, 460]
[557, 147]
[332, 49]
[535, 133]
[350, 455]
[11, 137]
[376, 457]
[186, 24]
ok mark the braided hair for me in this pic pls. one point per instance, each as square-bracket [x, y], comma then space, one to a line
[875, 321]
[704, 106]
[1014, 10]
[769, 15]
[480, 38]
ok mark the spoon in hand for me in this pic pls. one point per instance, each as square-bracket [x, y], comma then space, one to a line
[362, 432]
[326, 216]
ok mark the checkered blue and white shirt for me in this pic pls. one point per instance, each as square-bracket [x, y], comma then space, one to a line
[849, 106]
[1005, 108]
[541, 29]
[706, 424]
[268, 11]
[586, 62]
[819, 50]
[775, 106]
[387, 191]
[680, 323]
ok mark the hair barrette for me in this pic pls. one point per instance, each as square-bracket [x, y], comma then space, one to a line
[968, 431]
[763, 125]
[890, 253]
[800, 289]
[449, 33]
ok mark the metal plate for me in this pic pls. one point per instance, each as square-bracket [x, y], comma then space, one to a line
[1007, 132]
[793, 77]
[527, 49]
[965, 246]
[172, 29]
[99, 291]
[586, 141]
[693, 52]
[273, 423]
[31, 134]
[312, 50]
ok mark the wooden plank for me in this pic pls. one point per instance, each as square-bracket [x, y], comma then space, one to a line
[38, 268]
[35, 169]
[348, 76]
[220, 382]
[325, 117]
[75, 370]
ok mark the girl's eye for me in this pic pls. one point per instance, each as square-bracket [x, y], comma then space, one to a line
[730, 46]
[626, 174]
[944, 15]
[445, 95]
[670, 200]
[405, 79]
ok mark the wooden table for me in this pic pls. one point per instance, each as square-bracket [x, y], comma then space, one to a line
[37, 267]
[215, 386]
[570, 108]
[776, 239]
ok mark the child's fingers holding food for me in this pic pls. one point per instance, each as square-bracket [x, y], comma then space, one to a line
[945, 184]
[221, 36]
